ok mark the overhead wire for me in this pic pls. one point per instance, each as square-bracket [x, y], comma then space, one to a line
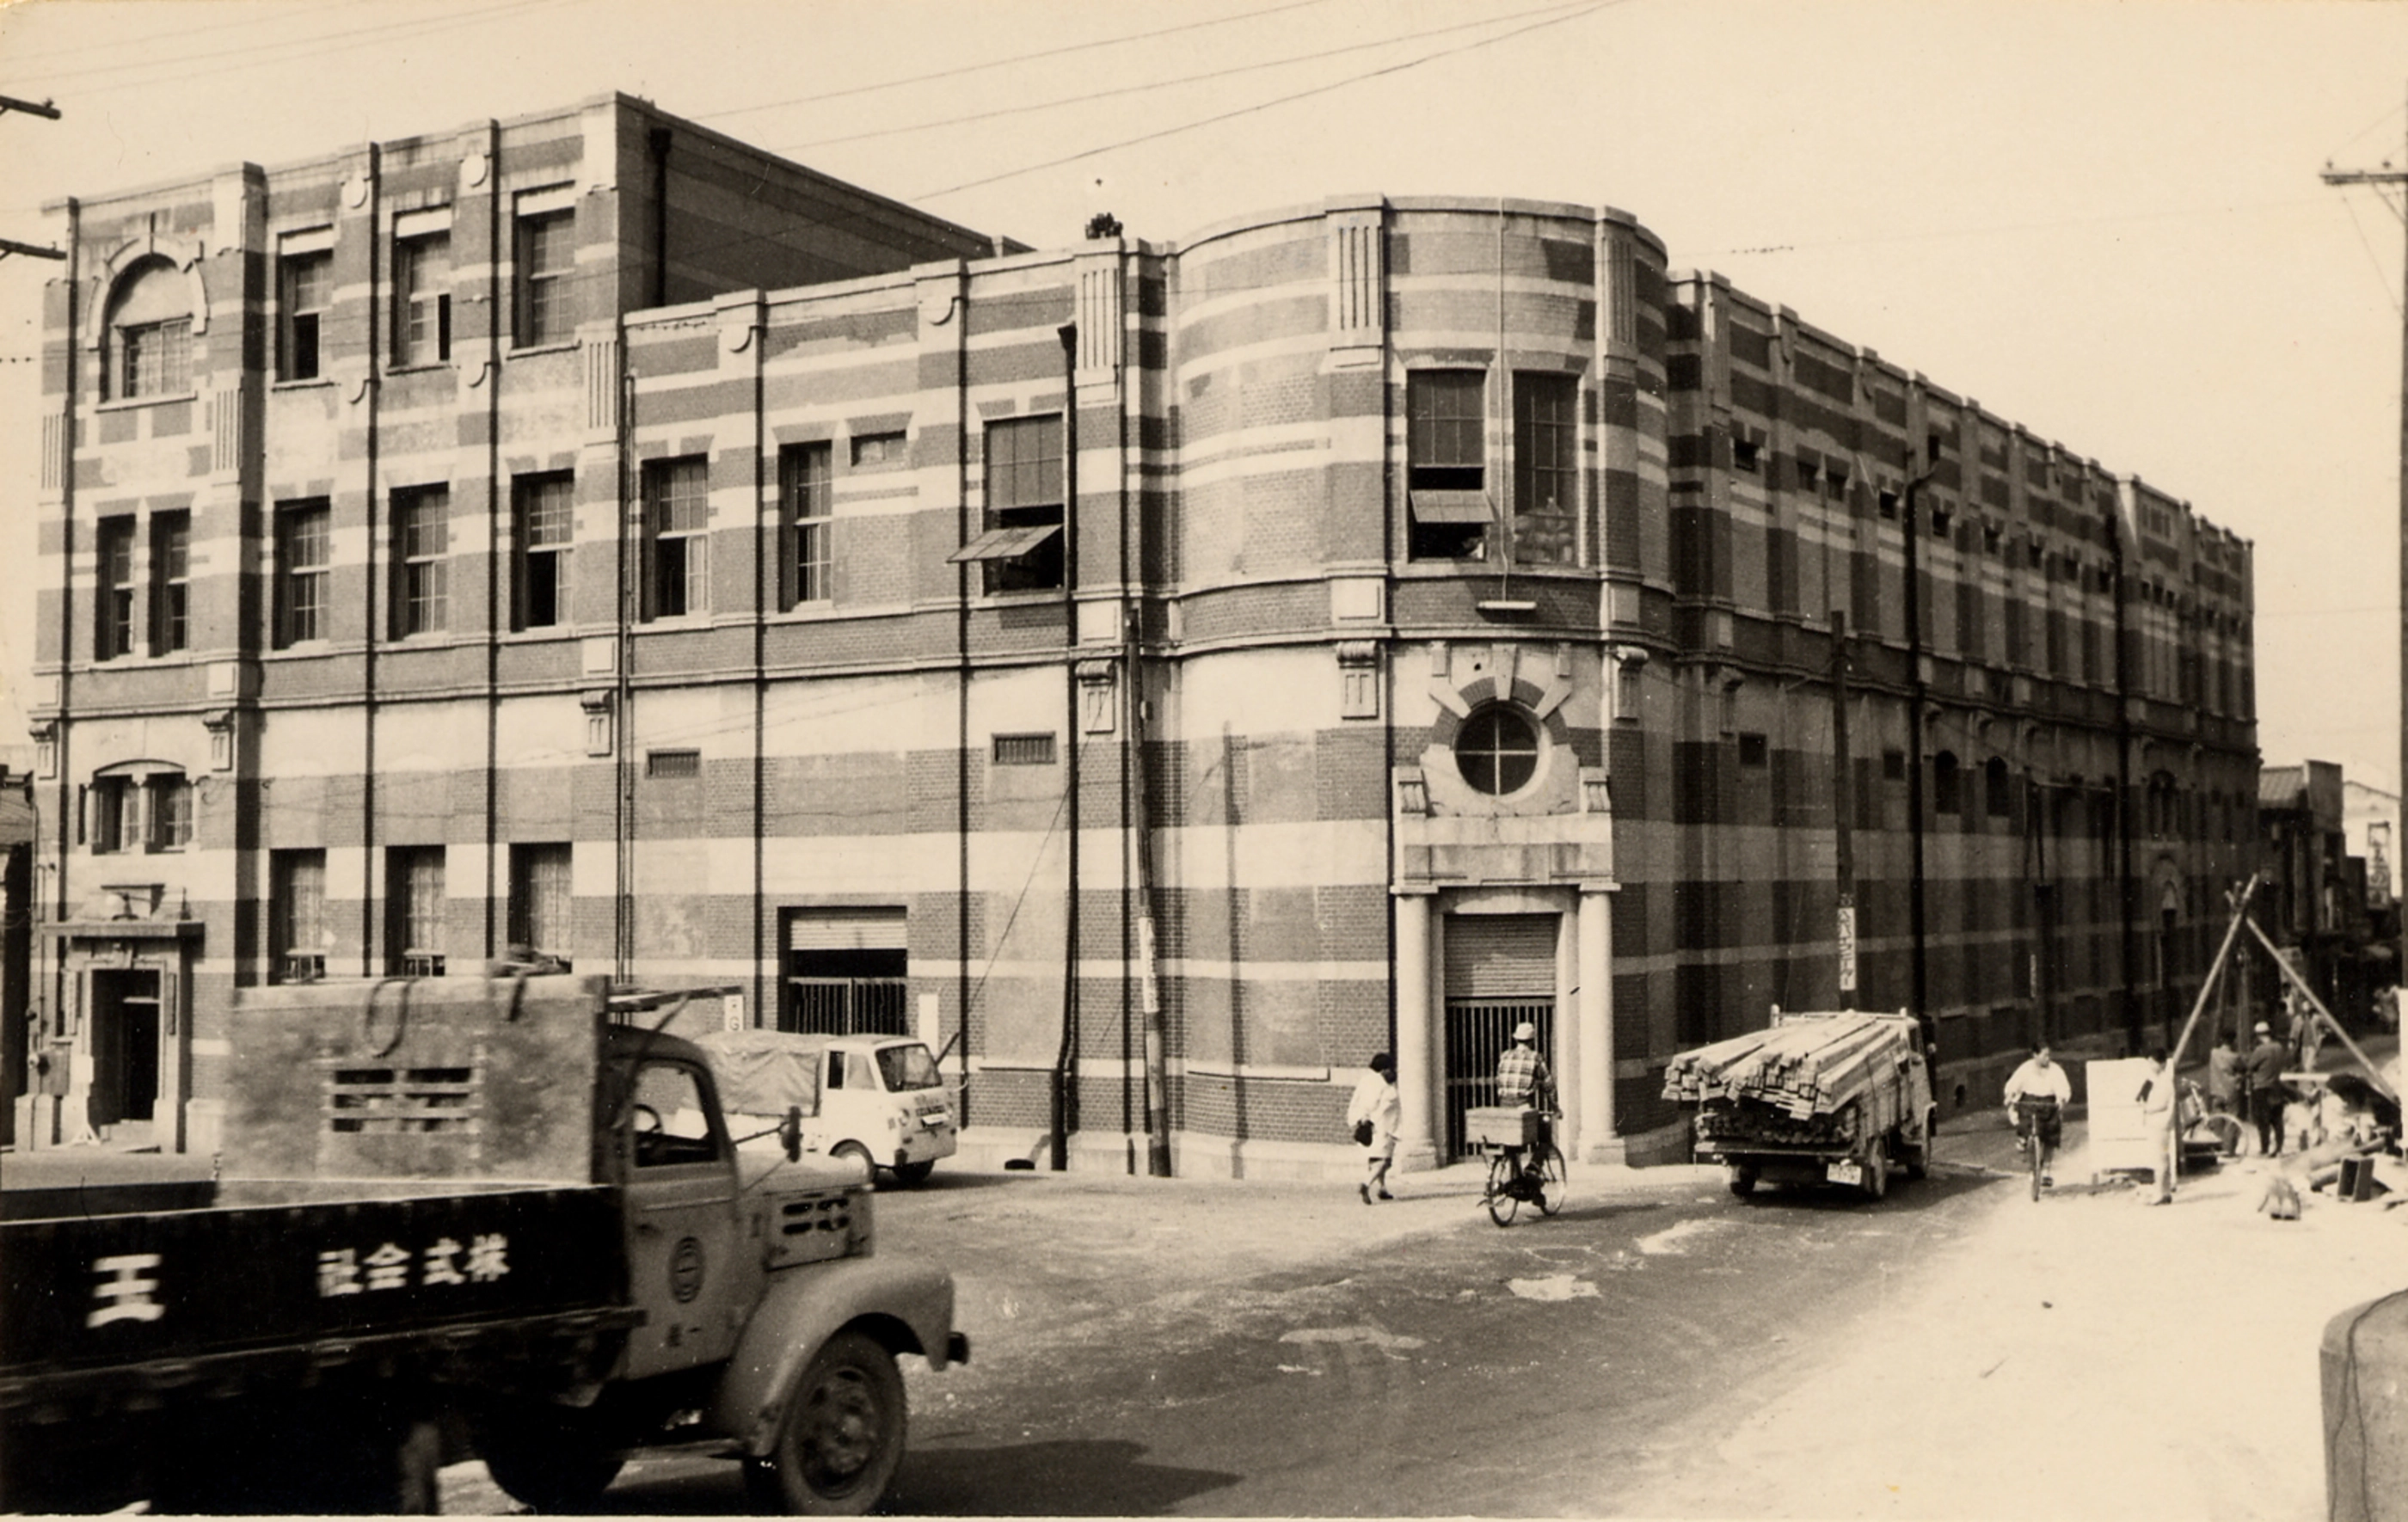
[1259, 107]
[987, 65]
[1152, 85]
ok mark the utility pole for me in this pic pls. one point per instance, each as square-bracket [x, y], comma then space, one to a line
[1842, 810]
[10, 245]
[2389, 174]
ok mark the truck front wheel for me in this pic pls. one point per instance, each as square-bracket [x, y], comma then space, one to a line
[841, 1438]
[1877, 1168]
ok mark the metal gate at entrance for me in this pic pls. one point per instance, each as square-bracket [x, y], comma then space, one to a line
[846, 972]
[1501, 970]
[1477, 1029]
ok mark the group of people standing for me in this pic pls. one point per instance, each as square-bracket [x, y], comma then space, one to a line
[2272, 1109]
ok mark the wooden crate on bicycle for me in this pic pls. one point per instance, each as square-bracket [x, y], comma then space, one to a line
[1501, 1126]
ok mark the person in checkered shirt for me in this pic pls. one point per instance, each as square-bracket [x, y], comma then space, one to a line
[1522, 1075]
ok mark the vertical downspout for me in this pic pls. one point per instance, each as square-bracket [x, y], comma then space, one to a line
[962, 571]
[623, 812]
[1917, 702]
[2124, 886]
[766, 581]
[1137, 807]
[500, 558]
[378, 305]
[54, 975]
[1065, 1102]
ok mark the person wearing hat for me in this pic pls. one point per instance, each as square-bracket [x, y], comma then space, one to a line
[1521, 1076]
[2267, 1091]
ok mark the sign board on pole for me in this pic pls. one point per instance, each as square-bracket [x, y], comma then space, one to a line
[1847, 944]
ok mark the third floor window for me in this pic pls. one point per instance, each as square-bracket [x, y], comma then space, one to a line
[171, 582]
[422, 299]
[305, 291]
[807, 496]
[114, 636]
[544, 523]
[546, 269]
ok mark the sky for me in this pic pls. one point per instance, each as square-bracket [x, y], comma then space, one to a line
[2102, 218]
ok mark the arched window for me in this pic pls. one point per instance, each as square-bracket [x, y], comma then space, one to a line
[1946, 786]
[1498, 748]
[150, 334]
[1996, 794]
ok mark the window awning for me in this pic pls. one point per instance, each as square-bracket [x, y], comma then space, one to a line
[1004, 543]
[1452, 507]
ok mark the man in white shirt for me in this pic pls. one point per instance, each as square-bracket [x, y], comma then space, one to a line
[2037, 1094]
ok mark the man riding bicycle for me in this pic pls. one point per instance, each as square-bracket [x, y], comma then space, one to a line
[1522, 1075]
[2037, 1094]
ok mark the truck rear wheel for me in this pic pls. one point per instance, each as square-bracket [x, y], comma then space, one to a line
[1741, 1181]
[546, 1457]
[914, 1173]
[841, 1437]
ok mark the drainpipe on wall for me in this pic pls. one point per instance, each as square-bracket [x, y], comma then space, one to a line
[1064, 1096]
[2124, 885]
[1918, 700]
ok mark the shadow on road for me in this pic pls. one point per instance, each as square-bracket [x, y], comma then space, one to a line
[1103, 1477]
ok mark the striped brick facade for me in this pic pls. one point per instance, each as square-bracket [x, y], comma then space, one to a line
[1181, 802]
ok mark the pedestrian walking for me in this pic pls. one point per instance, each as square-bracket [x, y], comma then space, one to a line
[2159, 1093]
[2267, 1092]
[2224, 1078]
[1373, 1116]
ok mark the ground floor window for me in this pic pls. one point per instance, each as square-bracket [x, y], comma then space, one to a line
[845, 972]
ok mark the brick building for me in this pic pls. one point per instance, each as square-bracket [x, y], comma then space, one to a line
[1161, 674]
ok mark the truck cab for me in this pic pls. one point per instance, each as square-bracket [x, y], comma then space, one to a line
[872, 1101]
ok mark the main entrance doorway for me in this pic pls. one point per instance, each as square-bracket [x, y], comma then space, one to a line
[1501, 971]
[124, 1045]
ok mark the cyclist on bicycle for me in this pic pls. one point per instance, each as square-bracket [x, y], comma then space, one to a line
[1522, 1075]
[2037, 1094]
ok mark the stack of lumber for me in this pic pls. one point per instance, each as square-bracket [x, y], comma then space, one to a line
[1803, 1067]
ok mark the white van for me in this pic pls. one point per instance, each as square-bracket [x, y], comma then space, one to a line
[877, 1100]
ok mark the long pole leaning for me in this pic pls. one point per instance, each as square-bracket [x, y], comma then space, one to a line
[2207, 985]
[2291, 974]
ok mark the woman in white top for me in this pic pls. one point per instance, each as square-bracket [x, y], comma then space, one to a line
[1376, 1101]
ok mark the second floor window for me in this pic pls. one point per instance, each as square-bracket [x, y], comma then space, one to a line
[303, 553]
[305, 291]
[115, 805]
[1025, 491]
[114, 552]
[676, 542]
[545, 266]
[1446, 463]
[171, 813]
[1546, 467]
[545, 523]
[421, 535]
[171, 582]
[805, 492]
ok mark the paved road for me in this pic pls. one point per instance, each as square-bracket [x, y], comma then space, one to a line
[1268, 1349]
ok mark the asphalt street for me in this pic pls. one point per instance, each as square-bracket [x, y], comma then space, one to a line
[1208, 1348]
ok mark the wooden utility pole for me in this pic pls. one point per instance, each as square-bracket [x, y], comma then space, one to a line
[10, 245]
[2389, 174]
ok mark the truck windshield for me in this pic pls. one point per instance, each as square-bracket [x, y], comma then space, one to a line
[908, 1068]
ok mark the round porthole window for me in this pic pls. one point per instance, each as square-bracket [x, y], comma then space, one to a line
[1498, 748]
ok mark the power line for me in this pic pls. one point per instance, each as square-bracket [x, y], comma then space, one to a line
[1264, 106]
[1002, 62]
[251, 55]
[1163, 84]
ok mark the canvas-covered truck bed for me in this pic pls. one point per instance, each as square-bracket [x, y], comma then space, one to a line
[1815, 1098]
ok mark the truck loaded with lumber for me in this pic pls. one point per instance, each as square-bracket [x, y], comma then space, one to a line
[494, 1215]
[1815, 1098]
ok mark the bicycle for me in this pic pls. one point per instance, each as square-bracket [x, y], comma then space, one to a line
[2037, 1128]
[1527, 1169]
